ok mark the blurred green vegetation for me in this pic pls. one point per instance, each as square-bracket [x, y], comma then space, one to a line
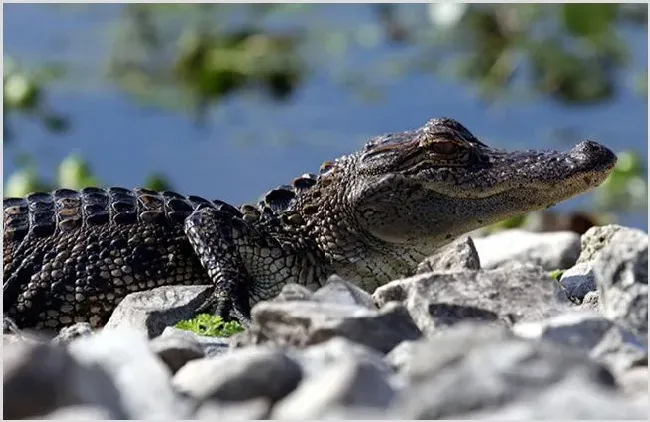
[25, 94]
[626, 188]
[73, 172]
[191, 57]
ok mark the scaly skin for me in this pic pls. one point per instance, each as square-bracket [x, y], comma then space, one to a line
[369, 217]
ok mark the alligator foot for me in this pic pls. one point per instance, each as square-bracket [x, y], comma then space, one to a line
[229, 309]
[212, 233]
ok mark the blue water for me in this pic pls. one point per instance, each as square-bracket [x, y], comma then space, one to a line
[250, 146]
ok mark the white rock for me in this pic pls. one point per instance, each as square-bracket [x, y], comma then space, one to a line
[551, 251]
[143, 380]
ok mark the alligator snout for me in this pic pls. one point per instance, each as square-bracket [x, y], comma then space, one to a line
[594, 155]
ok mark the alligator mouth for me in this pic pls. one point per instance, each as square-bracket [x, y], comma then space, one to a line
[551, 174]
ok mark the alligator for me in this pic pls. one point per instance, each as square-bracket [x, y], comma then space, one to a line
[369, 217]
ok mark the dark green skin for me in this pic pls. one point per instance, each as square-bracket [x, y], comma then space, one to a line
[370, 217]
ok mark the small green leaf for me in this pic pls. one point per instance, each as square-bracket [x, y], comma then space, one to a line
[210, 325]
[556, 274]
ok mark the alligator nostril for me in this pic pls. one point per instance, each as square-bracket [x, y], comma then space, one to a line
[593, 152]
[589, 147]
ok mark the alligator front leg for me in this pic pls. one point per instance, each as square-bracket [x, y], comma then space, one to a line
[214, 235]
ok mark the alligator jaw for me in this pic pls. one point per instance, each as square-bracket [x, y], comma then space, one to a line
[528, 181]
[583, 168]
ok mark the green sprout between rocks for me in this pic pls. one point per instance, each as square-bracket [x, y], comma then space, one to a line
[556, 274]
[210, 325]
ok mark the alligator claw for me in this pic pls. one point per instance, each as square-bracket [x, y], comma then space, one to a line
[227, 309]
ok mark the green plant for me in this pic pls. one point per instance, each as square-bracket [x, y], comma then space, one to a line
[210, 325]
[556, 274]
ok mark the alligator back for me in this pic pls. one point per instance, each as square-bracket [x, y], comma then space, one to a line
[73, 255]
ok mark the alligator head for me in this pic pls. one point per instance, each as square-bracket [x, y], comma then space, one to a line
[428, 186]
[440, 181]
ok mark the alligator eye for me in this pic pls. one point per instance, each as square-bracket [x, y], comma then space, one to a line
[445, 147]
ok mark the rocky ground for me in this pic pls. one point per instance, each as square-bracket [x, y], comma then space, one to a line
[481, 331]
